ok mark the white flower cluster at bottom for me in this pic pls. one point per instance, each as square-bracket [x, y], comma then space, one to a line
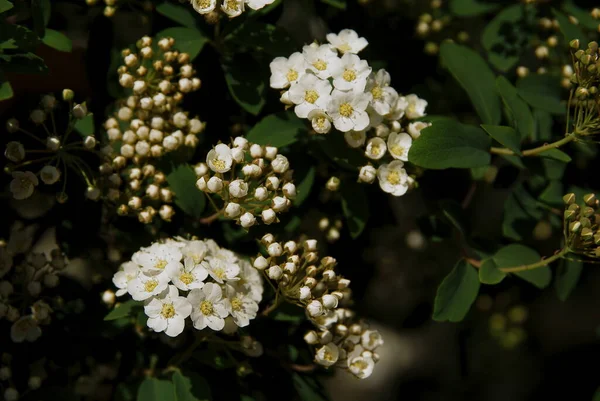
[181, 278]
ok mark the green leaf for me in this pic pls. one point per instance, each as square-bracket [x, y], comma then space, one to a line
[569, 30]
[456, 293]
[305, 179]
[517, 255]
[522, 118]
[567, 277]
[521, 213]
[278, 130]
[543, 92]
[243, 77]
[336, 148]
[289, 313]
[58, 41]
[37, 14]
[6, 91]
[126, 309]
[153, 389]
[448, 144]
[553, 169]
[489, 272]
[553, 194]
[190, 388]
[556, 155]
[262, 37]
[476, 78]
[543, 122]
[27, 63]
[85, 126]
[583, 16]
[180, 14]
[46, 11]
[355, 207]
[339, 4]
[504, 39]
[470, 8]
[182, 180]
[5, 5]
[308, 388]
[19, 38]
[506, 136]
[187, 40]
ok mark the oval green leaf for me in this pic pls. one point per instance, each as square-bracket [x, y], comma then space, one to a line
[517, 255]
[506, 136]
[567, 277]
[521, 116]
[489, 272]
[123, 310]
[188, 40]
[278, 130]
[153, 389]
[456, 293]
[57, 40]
[182, 180]
[542, 92]
[180, 14]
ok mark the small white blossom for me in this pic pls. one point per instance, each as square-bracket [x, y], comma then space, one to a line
[320, 121]
[168, 312]
[238, 188]
[367, 174]
[351, 73]
[208, 307]
[414, 129]
[220, 159]
[247, 220]
[398, 145]
[280, 164]
[347, 110]
[393, 178]
[371, 339]
[258, 4]
[233, 210]
[285, 72]
[361, 367]
[384, 97]
[233, 8]
[127, 272]
[321, 60]
[204, 6]
[158, 258]
[355, 139]
[416, 107]
[268, 216]
[190, 275]
[376, 148]
[347, 41]
[23, 184]
[274, 272]
[243, 307]
[327, 355]
[222, 271]
[280, 203]
[143, 287]
[310, 93]
[49, 174]
[315, 308]
[25, 329]
[215, 184]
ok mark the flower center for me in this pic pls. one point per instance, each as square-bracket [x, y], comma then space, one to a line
[321, 122]
[150, 285]
[346, 109]
[25, 183]
[377, 92]
[360, 364]
[344, 48]
[186, 278]
[349, 75]
[204, 3]
[218, 164]
[375, 150]
[206, 307]
[292, 75]
[311, 96]
[397, 150]
[328, 356]
[219, 272]
[320, 65]
[168, 311]
[160, 264]
[231, 5]
[394, 178]
[236, 304]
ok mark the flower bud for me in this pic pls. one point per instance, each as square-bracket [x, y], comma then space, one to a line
[80, 111]
[270, 152]
[311, 337]
[261, 263]
[256, 151]
[247, 220]
[333, 184]
[280, 164]
[268, 216]
[329, 301]
[272, 183]
[232, 210]
[304, 293]
[367, 174]
[315, 308]
[238, 188]
[289, 190]
[275, 272]
[215, 184]
[290, 246]
[275, 249]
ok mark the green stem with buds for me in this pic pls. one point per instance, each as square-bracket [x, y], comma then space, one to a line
[536, 151]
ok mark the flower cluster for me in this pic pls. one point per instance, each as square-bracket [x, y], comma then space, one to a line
[303, 279]
[181, 278]
[332, 87]
[232, 8]
[251, 181]
[585, 75]
[50, 145]
[581, 228]
[147, 125]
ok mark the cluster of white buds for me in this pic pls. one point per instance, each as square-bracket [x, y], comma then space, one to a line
[332, 87]
[249, 179]
[47, 142]
[24, 274]
[182, 278]
[231, 8]
[304, 279]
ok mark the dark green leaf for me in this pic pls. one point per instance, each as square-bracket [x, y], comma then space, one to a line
[153, 389]
[543, 92]
[553, 169]
[293, 224]
[543, 122]
[27, 63]
[476, 78]
[470, 8]
[259, 36]
[85, 126]
[567, 277]
[243, 77]
[5, 5]
[278, 130]
[556, 155]
[515, 161]
[448, 144]
[503, 38]
[335, 147]
[456, 293]
[6, 91]
[355, 206]
[583, 16]
[522, 118]
[57, 40]
[17, 37]
[289, 313]
[37, 14]
[188, 40]
[190, 388]
[305, 178]
[506, 136]
[553, 194]
[126, 309]
[180, 14]
[339, 4]
[569, 30]
[515, 255]
[308, 388]
[455, 215]
[182, 180]
[489, 272]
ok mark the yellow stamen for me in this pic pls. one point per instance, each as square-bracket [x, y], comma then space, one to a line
[292, 75]
[320, 65]
[311, 96]
[150, 285]
[393, 178]
[346, 109]
[377, 92]
[186, 278]
[349, 75]
[168, 311]
[236, 304]
[206, 307]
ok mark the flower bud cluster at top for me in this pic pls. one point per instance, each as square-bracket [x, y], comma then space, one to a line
[581, 225]
[304, 279]
[231, 8]
[585, 78]
[250, 181]
[332, 87]
[147, 125]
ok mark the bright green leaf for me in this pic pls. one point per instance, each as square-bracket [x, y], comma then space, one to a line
[456, 293]
[355, 207]
[180, 14]
[522, 118]
[504, 39]
[5, 5]
[569, 30]
[470, 8]
[543, 92]
[243, 77]
[476, 78]
[278, 130]
[450, 144]
[85, 126]
[188, 40]
[506, 136]
[567, 277]
[489, 272]
[515, 255]
[153, 389]
[58, 41]
[182, 181]
[125, 309]
[556, 155]
[6, 91]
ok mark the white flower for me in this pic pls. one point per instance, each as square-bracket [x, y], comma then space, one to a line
[247, 220]
[347, 110]
[320, 121]
[238, 188]
[399, 144]
[190, 275]
[285, 72]
[196, 250]
[355, 139]
[361, 366]
[23, 184]
[258, 4]
[280, 203]
[304, 293]
[127, 272]
[158, 258]
[393, 178]
[398, 109]
[310, 93]
[367, 174]
[204, 6]
[221, 270]
[326, 320]
[321, 60]
[238, 154]
[327, 355]
[416, 107]
[414, 129]
[49, 175]
[347, 41]
[25, 329]
[208, 307]
[384, 96]
[329, 301]
[232, 8]
[289, 190]
[15, 151]
[220, 159]
[376, 148]
[371, 339]
[243, 307]
[168, 312]
[143, 287]
[280, 164]
[351, 73]
[251, 280]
